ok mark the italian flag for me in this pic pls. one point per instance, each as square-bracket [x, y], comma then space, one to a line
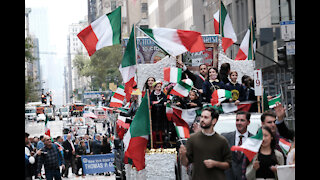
[248, 45]
[181, 119]
[121, 126]
[128, 66]
[117, 97]
[46, 129]
[175, 41]
[104, 31]
[172, 74]
[169, 112]
[231, 107]
[182, 88]
[272, 102]
[284, 145]
[251, 146]
[227, 32]
[136, 139]
[220, 95]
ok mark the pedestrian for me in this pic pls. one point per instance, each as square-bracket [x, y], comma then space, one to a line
[248, 86]
[207, 150]
[80, 150]
[69, 152]
[264, 164]
[192, 101]
[50, 157]
[197, 80]
[224, 72]
[211, 84]
[238, 137]
[148, 85]
[236, 89]
[40, 143]
[160, 124]
[96, 145]
[106, 148]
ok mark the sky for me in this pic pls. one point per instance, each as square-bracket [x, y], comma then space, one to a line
[49, 21]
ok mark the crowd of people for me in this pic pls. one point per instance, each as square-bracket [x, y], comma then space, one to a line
[206, 153]
[53, 153]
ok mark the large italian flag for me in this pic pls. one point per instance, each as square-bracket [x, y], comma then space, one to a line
[231, 107]
[172, 74]
[176, 41]
[251, 146]
[136, 139]
[248, 45]
[227, 32]
[104, 31]
[128, 66]
[182, 88]
[118, 97]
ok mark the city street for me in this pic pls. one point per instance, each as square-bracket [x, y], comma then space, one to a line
[56, 127]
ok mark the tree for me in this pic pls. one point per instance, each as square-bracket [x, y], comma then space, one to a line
[30, 91]
[102, 66]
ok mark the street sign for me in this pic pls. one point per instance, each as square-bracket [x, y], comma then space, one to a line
[257, 77]
[291, 48]
[287, 30]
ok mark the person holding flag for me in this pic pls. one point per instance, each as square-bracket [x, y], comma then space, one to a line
[264, 163]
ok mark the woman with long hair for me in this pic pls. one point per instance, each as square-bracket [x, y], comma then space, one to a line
[263, 165]
[148, 85]
[212, 83]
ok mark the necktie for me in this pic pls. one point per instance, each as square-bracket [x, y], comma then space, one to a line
[239, 144]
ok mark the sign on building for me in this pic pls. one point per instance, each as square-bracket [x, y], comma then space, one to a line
[287, 30]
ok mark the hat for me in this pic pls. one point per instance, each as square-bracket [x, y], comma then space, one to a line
[155, 83]
[136, 92]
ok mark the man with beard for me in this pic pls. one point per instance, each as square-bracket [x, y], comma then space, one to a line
[207, 150]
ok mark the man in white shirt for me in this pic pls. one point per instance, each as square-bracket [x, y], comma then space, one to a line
[237, 137]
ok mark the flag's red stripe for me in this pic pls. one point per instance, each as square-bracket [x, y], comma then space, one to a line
[136, 151]
[89, 39]
[216, 26]
[192, 40]
[226, 43]
[115, 104]
[214, 98]
[166, 74]
[246, 152]
[118, 96]
[241, 55]
[244, 107]
[129, 87]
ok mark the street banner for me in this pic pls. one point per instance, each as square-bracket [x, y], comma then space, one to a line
[286, 172]
[98, 163]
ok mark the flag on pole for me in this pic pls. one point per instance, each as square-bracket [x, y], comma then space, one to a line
[231, 107]
[182, 88]
[172, 74]
[272, 102]
[136, 139]
[227, 32]
[46, 128]
[104, 31]
[181, 119]
[284, 145]
[248, 45]
[251, 146]
[117, 97]
[220, 95]
[176, 41]
[128, 66]
[169, 112]
[122, 126]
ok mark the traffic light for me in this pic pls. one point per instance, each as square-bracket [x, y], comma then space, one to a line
[103, 99]
[282, 55]
[43, 99]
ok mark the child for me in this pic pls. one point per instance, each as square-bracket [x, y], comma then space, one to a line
[236, 89]
[191, 102]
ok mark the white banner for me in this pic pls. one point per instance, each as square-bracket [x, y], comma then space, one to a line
[286, 172]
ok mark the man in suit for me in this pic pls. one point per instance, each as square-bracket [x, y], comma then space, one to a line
[237, 138]
[69, 153]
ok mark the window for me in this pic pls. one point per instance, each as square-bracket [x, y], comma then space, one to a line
[282, 10]
[144, 7]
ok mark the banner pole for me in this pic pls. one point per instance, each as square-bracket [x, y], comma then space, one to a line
[151, 139]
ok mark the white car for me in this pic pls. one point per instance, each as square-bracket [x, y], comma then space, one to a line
[227, 123]
[41, 117]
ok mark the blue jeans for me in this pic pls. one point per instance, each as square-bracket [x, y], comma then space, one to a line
[53, 173]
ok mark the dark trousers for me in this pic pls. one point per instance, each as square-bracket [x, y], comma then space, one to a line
[50, 174]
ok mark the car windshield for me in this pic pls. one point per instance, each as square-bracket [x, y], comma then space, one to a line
[48, 110]
[65, 109]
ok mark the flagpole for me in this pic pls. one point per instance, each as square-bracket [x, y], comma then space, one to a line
[251, 42]
[220, 19]
[151, 140]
